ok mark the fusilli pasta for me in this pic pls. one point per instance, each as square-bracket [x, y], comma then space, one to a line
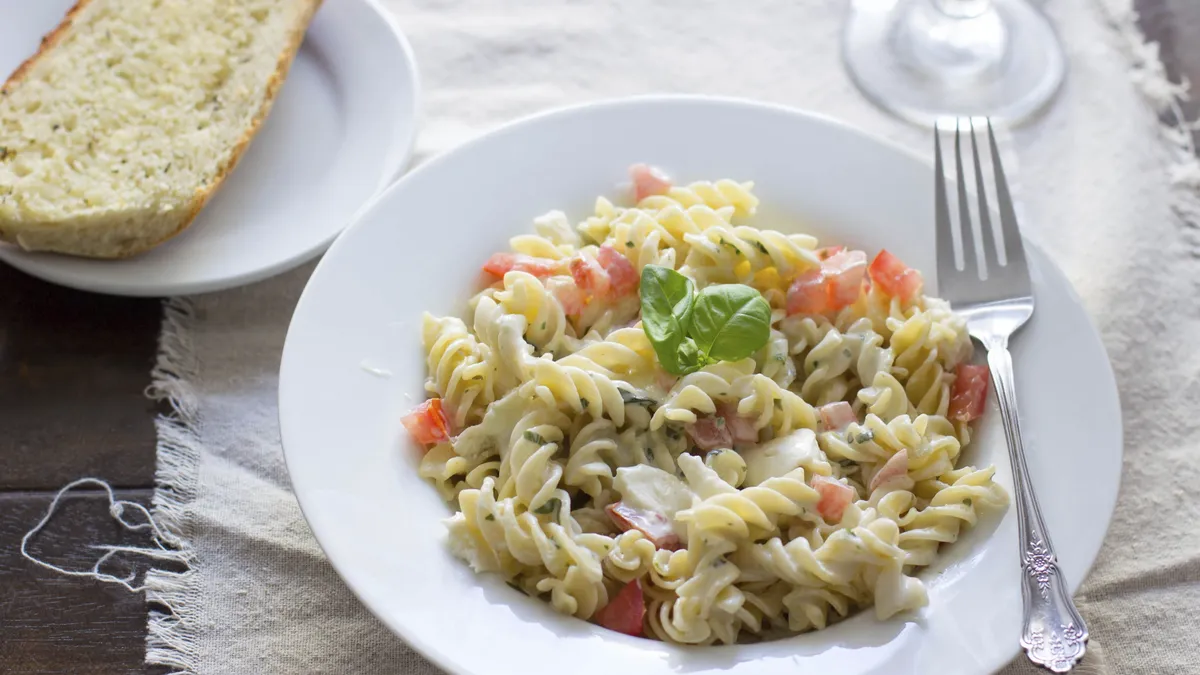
[772, 494]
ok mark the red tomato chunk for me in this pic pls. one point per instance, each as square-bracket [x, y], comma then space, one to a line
[589, 276]
[428, 423]
[835, 497]
[895, 467]
[626, 611]
[648, 181]
[836, 416]
[836, 284]
[894, 278]
[656, 526]
[741, 429]
[622, 277]
[710, 432]
[969, 395]
[503, 263]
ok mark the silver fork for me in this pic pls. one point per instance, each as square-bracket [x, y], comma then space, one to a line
[997, 299]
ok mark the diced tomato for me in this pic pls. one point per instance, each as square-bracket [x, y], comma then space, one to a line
[845, 271]
[503, 263]
[969, 394]
[835, 497]
[809, 294]
[622, 277]
[895, 467]
[656, 526]
[710, 432]
[829, 251]
[428, 423]
[836, 416]
[837, 284]
[648, 181]
[894, 277]
[589, 276]
[741, 429]
[626, 611]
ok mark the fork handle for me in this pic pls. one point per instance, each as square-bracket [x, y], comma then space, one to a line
[1053, 634]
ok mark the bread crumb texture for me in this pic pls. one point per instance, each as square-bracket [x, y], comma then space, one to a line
[115, 134]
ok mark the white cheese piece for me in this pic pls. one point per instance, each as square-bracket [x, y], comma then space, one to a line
[651, 489]
[779, 456]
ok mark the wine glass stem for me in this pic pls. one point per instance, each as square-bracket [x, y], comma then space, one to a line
[951, 39]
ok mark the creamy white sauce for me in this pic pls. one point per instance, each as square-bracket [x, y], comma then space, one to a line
[652, 489]
[779, 456]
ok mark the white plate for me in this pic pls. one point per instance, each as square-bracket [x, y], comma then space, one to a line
[342, 129]
[420, 246]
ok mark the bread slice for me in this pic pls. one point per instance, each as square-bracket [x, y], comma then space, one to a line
[131, 115]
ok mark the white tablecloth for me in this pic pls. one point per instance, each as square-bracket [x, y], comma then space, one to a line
[260, 597]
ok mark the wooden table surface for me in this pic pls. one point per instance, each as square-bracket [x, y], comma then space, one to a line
[73, 369]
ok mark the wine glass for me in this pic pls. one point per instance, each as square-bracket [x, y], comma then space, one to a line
[927, 59]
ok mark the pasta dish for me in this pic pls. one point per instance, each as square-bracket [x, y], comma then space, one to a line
[672, 423]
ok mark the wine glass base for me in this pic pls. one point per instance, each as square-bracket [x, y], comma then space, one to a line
[906, 72]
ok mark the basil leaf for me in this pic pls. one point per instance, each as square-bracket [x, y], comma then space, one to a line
[549, 506]
[633, 398]
[730, 321]
[667, 302]
[690, 358]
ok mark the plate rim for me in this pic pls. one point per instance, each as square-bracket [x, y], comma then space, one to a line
[399, 159]
[445, 660]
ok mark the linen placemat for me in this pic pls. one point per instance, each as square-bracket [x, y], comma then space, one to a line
[259, 597]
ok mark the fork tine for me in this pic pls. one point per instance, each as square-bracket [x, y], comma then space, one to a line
[986, 238]
[965, 228]
[1014, 250]
[947, 264]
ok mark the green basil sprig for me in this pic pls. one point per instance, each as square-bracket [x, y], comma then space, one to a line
[726, 322]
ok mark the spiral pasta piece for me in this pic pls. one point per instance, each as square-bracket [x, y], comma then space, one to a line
[728, 465]
[699, 392]
[528, 470]
[775, 360]
[773, 407]
[886, 397]
[715, 195]
[729, 514]
[556, 228]
[577, 390]
[706, 605]
[631, 557]
[643, 239]
[547, 326]
[503, 335]
[955, 504]
[459, 371]
[593, 458]
[451, 473]
[727, 254]
[624, 354]
[538, 246]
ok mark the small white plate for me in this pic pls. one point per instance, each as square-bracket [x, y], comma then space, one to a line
[419, 248]
[342, 129]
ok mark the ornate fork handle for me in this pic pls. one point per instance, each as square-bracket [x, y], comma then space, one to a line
[1054, 634]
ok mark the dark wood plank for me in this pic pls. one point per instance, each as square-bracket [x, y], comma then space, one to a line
[73, 368]
[1175, 26]
[51, 623]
